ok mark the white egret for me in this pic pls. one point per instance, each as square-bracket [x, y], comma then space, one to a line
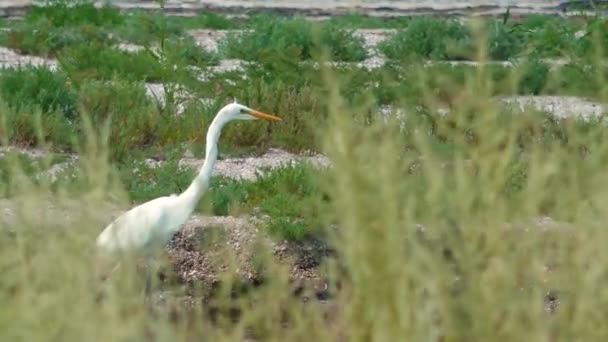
[149, 226]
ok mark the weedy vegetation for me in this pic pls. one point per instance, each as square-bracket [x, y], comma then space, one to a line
[432, 219]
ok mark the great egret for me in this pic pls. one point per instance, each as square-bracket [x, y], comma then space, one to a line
[149, 226]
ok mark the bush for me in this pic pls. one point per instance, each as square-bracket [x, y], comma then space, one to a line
[554, 39]
[208, 20]
[594, 41]
[185, 51]
[46, 40]
[26, 88]
[534, 78]
[50, 29]
[32, 127]
[293, 39]
[64, 14]
[144, 182]
[503, 42]
[145, 28]
[92, 61]
[134, 120]
[357, 21]
[429, 38]
[290, 195]
[575, 79]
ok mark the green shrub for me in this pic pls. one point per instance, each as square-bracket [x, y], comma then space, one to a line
[503, 42]
[290, 195]
[342, 44]
[554, 39]
[534, 77]
[50, 29]
[92, 61]
[47, 40]
[360, 21]
[594, 42]
[31, 127]
[63, 14]
[575, 79]
[144, 182]
[227, 196]
[134, 120]
[25, 88]
[185, 51]
[429, 38]
[292, 39]
[206, 20]
[145, 28]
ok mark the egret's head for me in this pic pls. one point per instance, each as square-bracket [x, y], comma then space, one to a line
[236, 111]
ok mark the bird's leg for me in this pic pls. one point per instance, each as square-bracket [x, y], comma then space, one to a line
[150, 273]
[103, 276]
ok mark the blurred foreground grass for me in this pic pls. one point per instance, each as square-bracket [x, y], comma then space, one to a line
[437, 232]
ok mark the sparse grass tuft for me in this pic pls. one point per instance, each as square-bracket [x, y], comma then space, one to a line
[207, 20]
[91, 61]
[290, 195]
[25, 88]
[292, 39]
[359, 21]
[429, 38]
[50, 29]
[133, 119]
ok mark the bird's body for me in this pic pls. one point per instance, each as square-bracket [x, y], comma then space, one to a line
[153, 222]
[151, 225]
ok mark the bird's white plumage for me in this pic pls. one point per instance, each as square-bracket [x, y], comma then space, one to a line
[152, 224]
[145, 226]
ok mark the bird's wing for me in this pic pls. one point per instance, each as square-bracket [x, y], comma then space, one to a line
[136, 227]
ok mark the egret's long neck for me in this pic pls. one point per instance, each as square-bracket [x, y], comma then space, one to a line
[200, 184]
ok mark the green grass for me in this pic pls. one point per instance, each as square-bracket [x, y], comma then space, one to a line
[207, 20]
[429, 38]
[48, 30]
[539, 36]
[359, 21]
[292, 39]
[91, 61]
[28, 87]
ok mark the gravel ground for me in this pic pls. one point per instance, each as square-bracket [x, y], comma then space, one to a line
[12, 59]
[560, 106]
[250, 167]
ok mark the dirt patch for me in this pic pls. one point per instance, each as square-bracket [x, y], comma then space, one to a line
[250, 168]
[208, 39]
[558, 106]
[12, 59]
[209, 246]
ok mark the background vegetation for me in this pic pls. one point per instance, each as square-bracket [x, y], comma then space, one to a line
[435, 220]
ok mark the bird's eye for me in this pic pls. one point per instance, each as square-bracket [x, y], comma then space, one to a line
[243, 111]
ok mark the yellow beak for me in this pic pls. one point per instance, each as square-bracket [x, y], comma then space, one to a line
[265, 116]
